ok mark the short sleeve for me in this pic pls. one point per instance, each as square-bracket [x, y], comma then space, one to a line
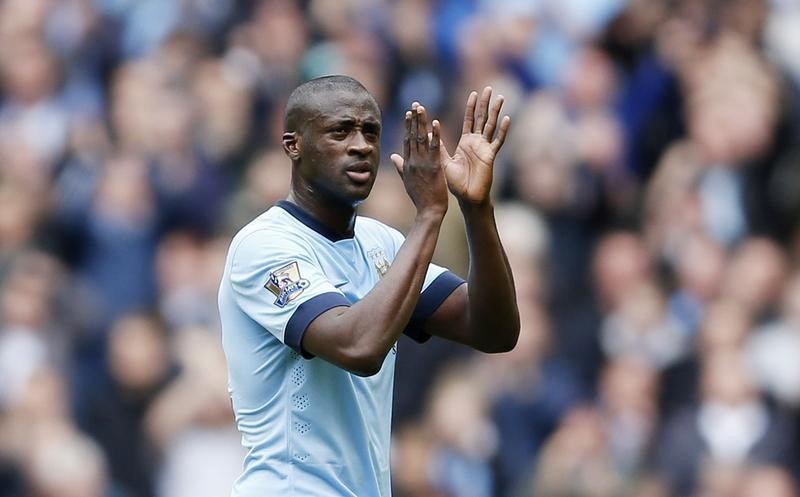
[280, 286]
[438, 285]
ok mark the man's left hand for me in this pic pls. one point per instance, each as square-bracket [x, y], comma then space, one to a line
[469, 170]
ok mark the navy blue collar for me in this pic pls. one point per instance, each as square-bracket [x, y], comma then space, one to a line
[304, 217]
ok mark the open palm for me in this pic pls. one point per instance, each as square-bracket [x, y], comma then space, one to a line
[469, 170]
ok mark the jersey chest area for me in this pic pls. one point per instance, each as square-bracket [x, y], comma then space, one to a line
[354, 265]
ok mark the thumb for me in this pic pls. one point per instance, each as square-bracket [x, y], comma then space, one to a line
[398, 163]
[443, 151]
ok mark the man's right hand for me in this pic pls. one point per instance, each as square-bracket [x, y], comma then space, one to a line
[421, 164]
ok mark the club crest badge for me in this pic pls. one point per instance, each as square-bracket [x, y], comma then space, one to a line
[379, 260]
[286, 283]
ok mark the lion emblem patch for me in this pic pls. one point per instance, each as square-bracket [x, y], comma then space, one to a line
[286, 283]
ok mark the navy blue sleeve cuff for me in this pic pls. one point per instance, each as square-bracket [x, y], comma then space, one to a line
[307, 312]
[430, 300]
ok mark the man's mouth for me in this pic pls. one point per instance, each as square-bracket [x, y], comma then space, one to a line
[359, 173]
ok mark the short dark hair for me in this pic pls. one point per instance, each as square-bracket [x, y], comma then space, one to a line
[302, 99]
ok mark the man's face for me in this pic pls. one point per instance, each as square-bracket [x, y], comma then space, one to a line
[340, 146]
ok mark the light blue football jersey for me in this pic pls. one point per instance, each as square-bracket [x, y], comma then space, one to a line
[310, 427]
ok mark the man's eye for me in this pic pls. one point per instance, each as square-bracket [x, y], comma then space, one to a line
[339, 132]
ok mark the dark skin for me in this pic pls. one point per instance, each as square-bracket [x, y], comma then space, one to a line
[335, 156]
[342, 133]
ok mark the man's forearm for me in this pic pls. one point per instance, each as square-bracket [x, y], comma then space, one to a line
[493, 315]
[358, 338]
[386, 310]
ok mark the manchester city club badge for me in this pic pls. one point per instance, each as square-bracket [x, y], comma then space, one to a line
[379, 260]
[286, 283]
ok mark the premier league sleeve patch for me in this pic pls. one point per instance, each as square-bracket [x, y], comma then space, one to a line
[286, 283]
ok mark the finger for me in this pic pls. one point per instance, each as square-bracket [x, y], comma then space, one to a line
[414, 106]
[435, 136]
[494, 113]
[482, 110]
[398, 163]
[412, 137]
[501, 134]
[443, 148]
[422, 134]
[407, 137]
[469, 113]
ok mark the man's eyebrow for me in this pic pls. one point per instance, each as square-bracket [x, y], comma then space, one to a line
[329, 119]
[349, 120]
[372, 124]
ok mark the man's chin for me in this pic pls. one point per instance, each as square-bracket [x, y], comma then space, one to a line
[359, 197]
[358, 192]
[351, 196]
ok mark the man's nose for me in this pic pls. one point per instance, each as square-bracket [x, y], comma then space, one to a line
[359, 145]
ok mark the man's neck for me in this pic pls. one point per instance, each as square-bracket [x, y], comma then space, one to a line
[337, 217]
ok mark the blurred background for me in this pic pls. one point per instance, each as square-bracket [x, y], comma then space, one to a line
[648, 197]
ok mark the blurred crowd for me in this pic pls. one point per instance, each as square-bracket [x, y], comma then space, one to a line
[648, 197]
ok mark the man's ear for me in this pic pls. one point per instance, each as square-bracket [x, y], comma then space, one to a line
[291, 144]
